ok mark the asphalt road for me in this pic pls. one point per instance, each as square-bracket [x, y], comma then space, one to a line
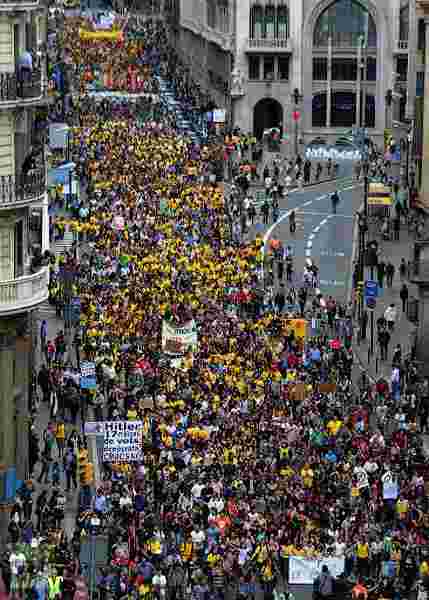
[320, 235]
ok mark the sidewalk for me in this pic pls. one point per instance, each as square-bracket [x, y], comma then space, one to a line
[404, 330]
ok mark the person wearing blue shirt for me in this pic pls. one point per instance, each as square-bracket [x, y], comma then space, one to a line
[40, 587]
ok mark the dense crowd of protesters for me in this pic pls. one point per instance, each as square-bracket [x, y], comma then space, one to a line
[258, 445]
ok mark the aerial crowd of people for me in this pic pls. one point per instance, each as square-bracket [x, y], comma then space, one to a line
[260, 449]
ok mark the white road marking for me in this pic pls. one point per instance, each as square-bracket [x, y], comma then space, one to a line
[309, 243]
[308, 252]
[311, 236]
[323, 222]
[321, 214]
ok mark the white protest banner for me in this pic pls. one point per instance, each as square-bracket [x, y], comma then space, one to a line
[303, 571]
[122, 441]
[178, 340]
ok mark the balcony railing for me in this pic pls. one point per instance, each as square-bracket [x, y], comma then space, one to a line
[269, 43]
[19, 4]
[24, 292]
[22, 188]
[13, 88]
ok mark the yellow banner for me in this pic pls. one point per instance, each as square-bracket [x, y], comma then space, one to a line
[100, 35]
[379, 195]
[103, 185]
[380, 201]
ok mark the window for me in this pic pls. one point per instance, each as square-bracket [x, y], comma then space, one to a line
[19, 248]
[320, 69]
[319, 110]
[269, 67]
[404, 23]
[343, 109]
[421, 34]
[345, 21]
[282, 23]
[270, 22]
[283, 68]
[256, 21]
[211, 14]
[344, 69]
[254, 64]
[402, 68]
[371, 69]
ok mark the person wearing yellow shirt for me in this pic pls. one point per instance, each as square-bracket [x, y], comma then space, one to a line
[362, 553]
[333, 426]
[307, 475]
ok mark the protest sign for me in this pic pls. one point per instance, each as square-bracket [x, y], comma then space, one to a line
[122, 441]
[88, 380]
[179, 339]
[303, 571]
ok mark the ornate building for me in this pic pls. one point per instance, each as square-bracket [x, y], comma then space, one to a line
[316, 68]
[205, 45]
[24, 227]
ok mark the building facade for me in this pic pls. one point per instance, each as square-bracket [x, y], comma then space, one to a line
[317, 68]
[23, 220]
[204, 43]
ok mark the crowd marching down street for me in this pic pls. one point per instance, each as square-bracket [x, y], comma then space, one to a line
[260, 456]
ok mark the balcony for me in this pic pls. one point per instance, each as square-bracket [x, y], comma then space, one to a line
[14, 92]
[24, 293]
[9, 5]
[269, 45]
[16, 191]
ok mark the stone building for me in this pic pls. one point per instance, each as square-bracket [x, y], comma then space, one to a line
[23, 221]
[317, 68]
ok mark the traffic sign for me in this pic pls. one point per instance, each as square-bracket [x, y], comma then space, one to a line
[371, 289]
[371, 302]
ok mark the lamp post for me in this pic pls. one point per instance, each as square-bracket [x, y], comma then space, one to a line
[407, 165]
[362, 224]
[296, 115]
[365, 168]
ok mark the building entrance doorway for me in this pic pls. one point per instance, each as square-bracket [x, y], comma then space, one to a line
[268, 113]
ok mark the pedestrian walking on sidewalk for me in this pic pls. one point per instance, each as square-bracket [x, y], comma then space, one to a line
[381, 271]
[396, 228]
[390, 273]
[383, 341]
[43, 336]
[403, 270]
[403, 294]
[390, 315]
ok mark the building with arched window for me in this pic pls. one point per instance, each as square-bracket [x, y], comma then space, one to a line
[315, 68]
[204, 42]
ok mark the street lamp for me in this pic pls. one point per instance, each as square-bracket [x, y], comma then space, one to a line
[296, 97]
[365, 169]
[407, 166]
[362, 225]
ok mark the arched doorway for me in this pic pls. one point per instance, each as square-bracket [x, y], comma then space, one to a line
[267, 113]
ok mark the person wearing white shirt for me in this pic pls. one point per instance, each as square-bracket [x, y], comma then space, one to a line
[216, 504]
[196, 490]
[159, 583]
[198, 538]
[390, 315]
